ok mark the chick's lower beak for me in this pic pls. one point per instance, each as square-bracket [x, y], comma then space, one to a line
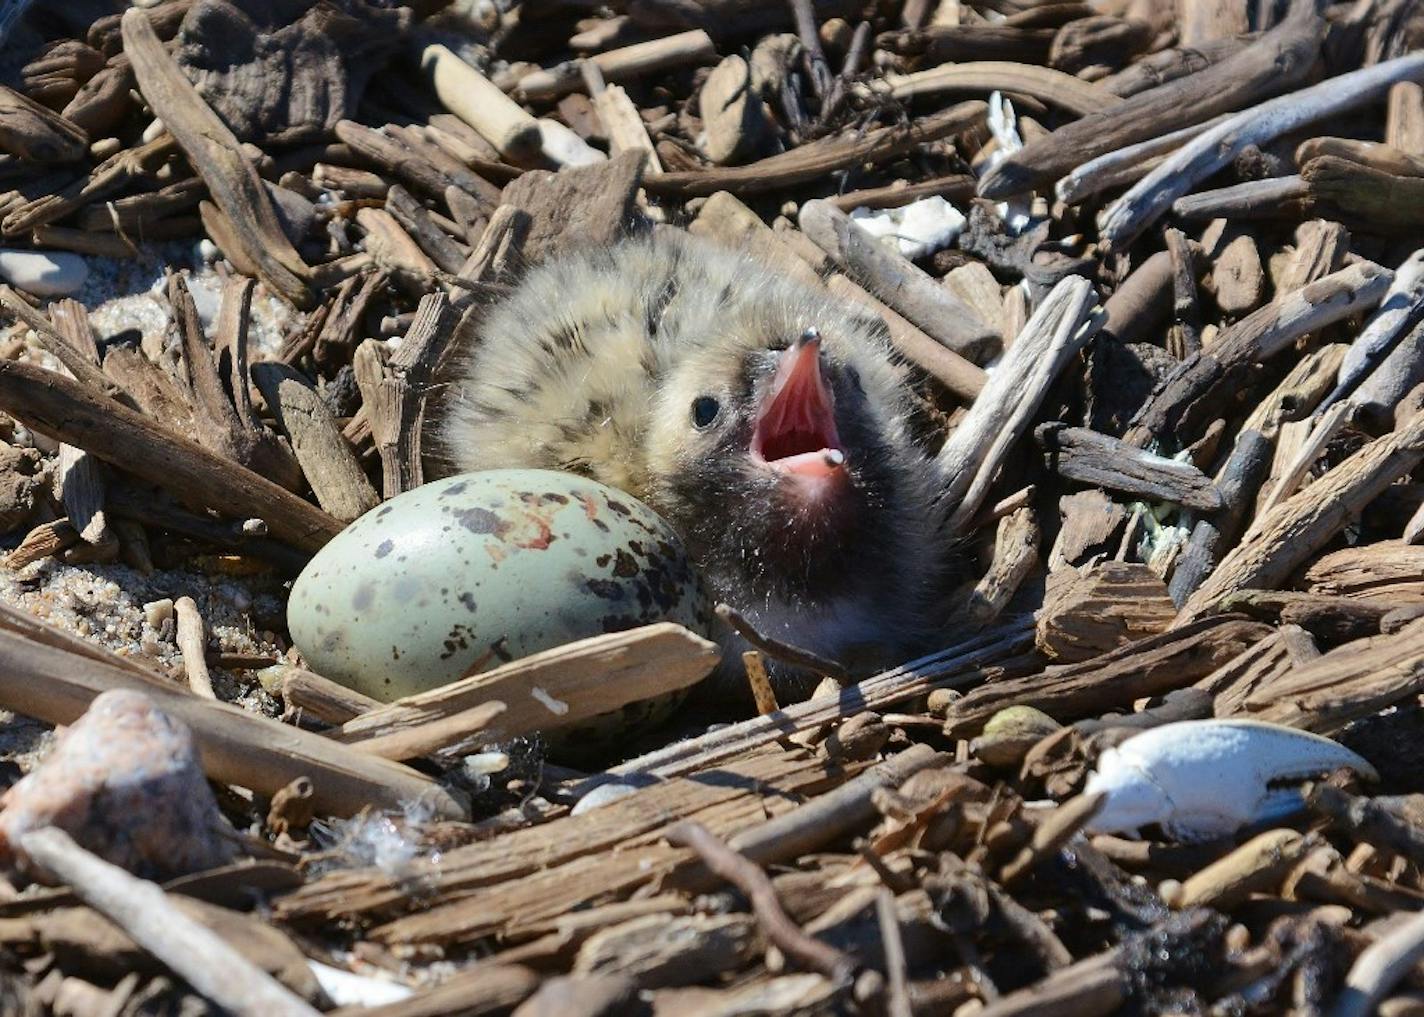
[796, 425]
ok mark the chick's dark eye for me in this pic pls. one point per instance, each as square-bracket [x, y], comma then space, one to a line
[704, 411]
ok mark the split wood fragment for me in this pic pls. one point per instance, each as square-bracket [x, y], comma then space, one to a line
[550, 689]
[64, 409]
[141, 909]
[216, 156]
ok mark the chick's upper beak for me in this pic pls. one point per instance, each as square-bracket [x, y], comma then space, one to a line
[796, 425]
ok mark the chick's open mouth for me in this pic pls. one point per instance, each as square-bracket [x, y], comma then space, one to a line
[796, 427]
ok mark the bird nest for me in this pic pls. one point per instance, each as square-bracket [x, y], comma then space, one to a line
[1150, 272]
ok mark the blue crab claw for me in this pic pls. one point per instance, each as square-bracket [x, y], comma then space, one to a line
[1202, 779]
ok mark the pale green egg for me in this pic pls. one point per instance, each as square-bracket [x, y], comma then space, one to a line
[465, 573]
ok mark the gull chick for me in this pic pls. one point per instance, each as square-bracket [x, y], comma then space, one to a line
[769, 424]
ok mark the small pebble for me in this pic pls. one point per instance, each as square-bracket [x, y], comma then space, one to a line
[156, 612]
[124, 781]
[1011, 733]
[604, 794]
[940, 700]
[43, 273]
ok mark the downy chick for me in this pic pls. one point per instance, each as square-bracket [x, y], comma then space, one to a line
[766, 422]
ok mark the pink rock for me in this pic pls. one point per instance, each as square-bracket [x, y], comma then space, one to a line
[123, 781]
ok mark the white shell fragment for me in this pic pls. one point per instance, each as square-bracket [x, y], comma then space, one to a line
[43, 273]
[919, 228]
[1202, 779]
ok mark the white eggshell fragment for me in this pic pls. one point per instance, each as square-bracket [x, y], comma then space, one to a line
[43, 273]
[465, 573]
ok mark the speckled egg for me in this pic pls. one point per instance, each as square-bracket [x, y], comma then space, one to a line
[465, 573]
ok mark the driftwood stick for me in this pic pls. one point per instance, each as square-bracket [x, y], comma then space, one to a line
[82, 366]
[1278, 197]
[79, 476]
[1353, 681]
[72, 413]
[1043, 83]
[831, 816]
[1185, 338]
[778, 650]
[473, 98]
[193, 951]
[1370, 154]
[814, 161]
[970, 459]
[747, 877]
[193, 645]
[1016, 545]
[1288, 534]
[215, 154]
[962, 377]
[1398, 313]
[1125, 165]
[1374, 198]
[964, 663]
[43, 678]
[895, 280]
[893, 945]
[1238, 481]
[1108, 462]
[1279, 59]
[422, 229]
[553, 688]
[1326, 428]
[329, 465]
[1141, 206]
[1382, 966]
[622, 64]
[1183, 401]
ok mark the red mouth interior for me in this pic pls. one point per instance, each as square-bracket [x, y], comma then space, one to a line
[796, 428]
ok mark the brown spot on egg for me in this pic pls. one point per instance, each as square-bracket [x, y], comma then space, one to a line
[625, 567]
[480, 520]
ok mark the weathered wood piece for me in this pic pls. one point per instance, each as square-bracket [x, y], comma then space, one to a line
[1352, 681]
[145, 912]
[327, 462]
[547, 690]
[1114, 680]
[1043, 83]
[892, 278]
[593, 204]
[1199, 158]
[1096, 609]
[70, 412]
[969, 461]
[217, 157]
[1084, 455]
[815, 160]
[1016, 542]
[47, 677]
[1386, 570]
[472, 97]
[1276, 61]
[621, 64]
[38, 134]
[220, 426]
[1286, 536]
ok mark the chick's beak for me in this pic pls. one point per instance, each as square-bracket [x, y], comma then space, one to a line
[796, 425]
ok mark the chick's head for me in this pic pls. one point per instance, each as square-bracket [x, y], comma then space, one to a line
[779, 452]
